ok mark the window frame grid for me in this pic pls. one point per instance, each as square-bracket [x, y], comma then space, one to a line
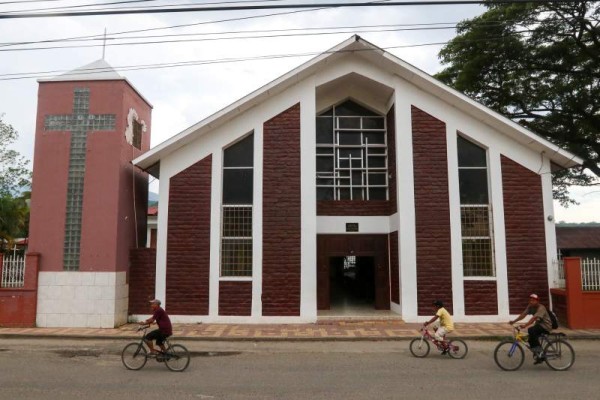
[244, 242]
[365, 170]
[475, 271]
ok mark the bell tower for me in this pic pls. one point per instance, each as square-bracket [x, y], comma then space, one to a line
[88, 202]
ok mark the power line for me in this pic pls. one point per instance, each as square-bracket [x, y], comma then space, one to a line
[351, 29]
[186, 25]
[47, 74]
[101, 6]
[278, 6]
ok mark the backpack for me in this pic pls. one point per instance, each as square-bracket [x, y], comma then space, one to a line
[553, 319]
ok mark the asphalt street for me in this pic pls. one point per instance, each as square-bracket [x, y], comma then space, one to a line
[91, 369]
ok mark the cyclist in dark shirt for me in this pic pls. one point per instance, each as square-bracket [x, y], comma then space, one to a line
[541, 325]
[165, 329]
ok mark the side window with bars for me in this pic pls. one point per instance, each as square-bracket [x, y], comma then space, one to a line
[475, 210]
[351, 154]
[236, 213]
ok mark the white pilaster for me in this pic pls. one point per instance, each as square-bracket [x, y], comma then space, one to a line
[407, 242]
[308, 190]
[550, 229]
[215, 233]
[160, 290]
[499, 232]
[458, 291]
[257, 223]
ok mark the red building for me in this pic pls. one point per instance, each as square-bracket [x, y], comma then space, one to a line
[88, 201]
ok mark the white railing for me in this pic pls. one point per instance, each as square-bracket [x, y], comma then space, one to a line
[13, 271]
[590, 274]
[559, 273]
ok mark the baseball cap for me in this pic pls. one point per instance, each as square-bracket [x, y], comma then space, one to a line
[155, 301]
[531, 296]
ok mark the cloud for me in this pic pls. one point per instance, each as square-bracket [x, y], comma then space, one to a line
[185, 95]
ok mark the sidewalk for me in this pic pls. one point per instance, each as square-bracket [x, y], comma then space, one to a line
[326, 330]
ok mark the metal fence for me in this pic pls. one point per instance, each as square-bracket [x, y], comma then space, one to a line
[590, 274]
[559, 273]
[13, 271]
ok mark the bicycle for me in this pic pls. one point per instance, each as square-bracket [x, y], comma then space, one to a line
[557, 352]
[134, 355]
[455, 348]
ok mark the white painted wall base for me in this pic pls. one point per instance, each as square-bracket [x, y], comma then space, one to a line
[197, 319]
[82, 299]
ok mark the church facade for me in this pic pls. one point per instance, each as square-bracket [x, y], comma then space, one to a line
[355, 178]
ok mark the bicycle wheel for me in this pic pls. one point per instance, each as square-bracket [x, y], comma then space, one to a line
[134, 356]
[560, 356]
[457, 348]
[419, 347]
[509, 355]
[177, 358]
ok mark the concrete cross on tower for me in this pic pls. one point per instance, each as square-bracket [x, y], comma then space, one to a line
[79, 124]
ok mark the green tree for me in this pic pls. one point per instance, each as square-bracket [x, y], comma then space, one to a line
[15, 179]
[539, 65]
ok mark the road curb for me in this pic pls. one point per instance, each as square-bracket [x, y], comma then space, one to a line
[272, 339]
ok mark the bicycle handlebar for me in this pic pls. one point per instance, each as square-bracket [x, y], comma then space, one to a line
[142, 327]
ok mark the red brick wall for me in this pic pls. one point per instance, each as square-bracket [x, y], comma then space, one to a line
[394, 276]
[142, 279]
[481, 298]
[188, 240]
[525, 235]
[559, 305]
[432, 211]
[353, 207]
[281, 214]
[235, 298]
[372, 207]
[18, 306]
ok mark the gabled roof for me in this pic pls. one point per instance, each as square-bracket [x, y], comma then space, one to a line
[578, 237]
[151, 159]
[98, 70]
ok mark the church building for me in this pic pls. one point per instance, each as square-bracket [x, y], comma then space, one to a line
[355, 179]
[354, 185]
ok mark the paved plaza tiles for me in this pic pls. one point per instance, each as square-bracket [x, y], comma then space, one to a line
[322, 330]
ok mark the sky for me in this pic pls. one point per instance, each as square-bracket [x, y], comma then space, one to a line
[227, 53]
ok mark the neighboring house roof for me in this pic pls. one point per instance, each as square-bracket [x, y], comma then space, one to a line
[98, 70]
[153, 211]
[578, 237]
[357, 46]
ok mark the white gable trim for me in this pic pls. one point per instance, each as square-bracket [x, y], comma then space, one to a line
[360, 48]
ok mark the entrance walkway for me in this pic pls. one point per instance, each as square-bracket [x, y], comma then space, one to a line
[322, 330]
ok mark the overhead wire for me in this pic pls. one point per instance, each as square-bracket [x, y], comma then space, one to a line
[101, 6]
[46, 74]
[270, 7]
[209, 22]
[353, 30]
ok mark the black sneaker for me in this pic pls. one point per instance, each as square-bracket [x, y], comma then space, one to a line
[540, 359]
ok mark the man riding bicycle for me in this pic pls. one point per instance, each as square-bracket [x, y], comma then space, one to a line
[165, 329]
[541, 325]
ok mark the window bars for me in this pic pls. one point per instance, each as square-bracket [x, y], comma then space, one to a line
[236, 241]
[477, 240]
[13, 271]
[352, 160]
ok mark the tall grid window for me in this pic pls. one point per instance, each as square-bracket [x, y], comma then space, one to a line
[236, 215]
[475, 210]
[352, 161]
